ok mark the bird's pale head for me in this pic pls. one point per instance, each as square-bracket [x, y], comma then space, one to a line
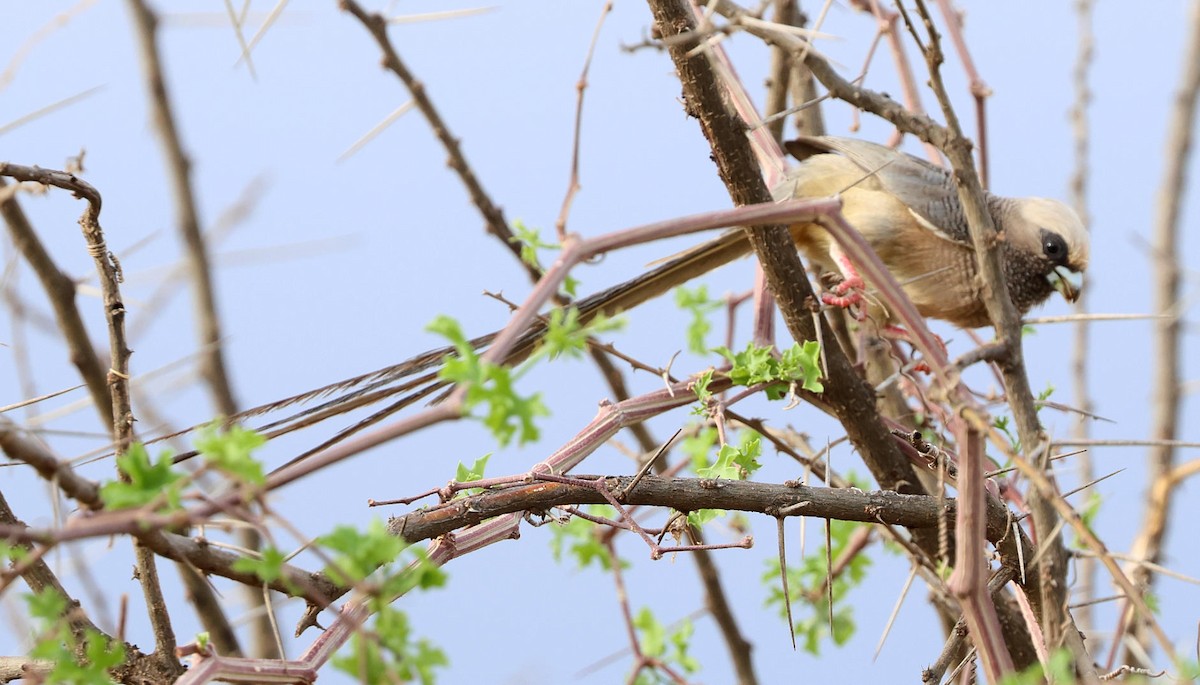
[1052, 242]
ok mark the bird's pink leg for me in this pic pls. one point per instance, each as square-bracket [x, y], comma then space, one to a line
[849, 291]
[900, 333]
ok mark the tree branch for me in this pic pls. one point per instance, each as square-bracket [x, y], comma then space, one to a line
[208, 323]
[1168, 331]
[60, 290]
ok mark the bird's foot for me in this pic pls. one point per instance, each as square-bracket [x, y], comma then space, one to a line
[845, 294]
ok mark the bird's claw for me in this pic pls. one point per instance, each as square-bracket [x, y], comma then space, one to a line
[845, 294]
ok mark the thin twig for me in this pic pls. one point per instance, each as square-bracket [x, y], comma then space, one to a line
[1085, 569]
[493, 215]
[560, 224]
[1168, 332]
[213, 369]
[40, 578]
[967, 581]
[60, 290]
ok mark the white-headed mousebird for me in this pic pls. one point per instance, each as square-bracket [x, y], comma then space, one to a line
[908, 210]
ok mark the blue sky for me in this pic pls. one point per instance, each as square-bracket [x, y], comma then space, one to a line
[340, 266]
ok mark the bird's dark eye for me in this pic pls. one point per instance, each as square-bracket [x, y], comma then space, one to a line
[1054, 247]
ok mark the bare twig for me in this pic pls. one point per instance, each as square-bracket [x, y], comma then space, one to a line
[117, 377]
[958, 634]
[208, 322]
[208, 667]
[39, 577]
[967, 582]
[493, 215]
[560, 224]
[47, 109]
[109, 271]
[187, 219]
[979, 89]
[26, 48]
[1168, 332]
[779, 80]
[60, 290]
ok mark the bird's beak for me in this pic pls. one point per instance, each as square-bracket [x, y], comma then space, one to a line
[1066, 281]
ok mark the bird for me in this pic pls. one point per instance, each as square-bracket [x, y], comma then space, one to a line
[909, 212]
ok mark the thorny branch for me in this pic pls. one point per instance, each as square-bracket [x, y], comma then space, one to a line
[212, 359]
[786, 276]
[1085, 568]
[117, 378]
[1168, 331]
[494, 216]
[967, 581]
[60, 290]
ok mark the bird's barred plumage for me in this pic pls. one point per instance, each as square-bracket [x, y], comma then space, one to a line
[909, 211]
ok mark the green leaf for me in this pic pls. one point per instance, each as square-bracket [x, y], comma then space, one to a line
[1045, 394]
[669, 647]
[57, 644]
[566, 336]
[1002, 424]
[390, 653]
[1151, 600]
[751, 366]
[1060, 671]
[732, 463]
[466, 475]
[577, 538]
[230, 452]
[653, 637]
[1088, 513]
[360, 553]
[700, 387]
[748, 453]
[697, 446]
[508, 414]
[448, 328]
[699, 517]
[102, 653]
[813, 629]
[807, 580]
[530, 240]
[681, 641]
[571, 285]
[47, 605]
[697, 303]
[365, 661]
[735, 463]
[799, 364]
[1188, 670]
[803, 363]
[724, 466]
[146, 482]
[268, 568]
[421, 573]
[12, 553]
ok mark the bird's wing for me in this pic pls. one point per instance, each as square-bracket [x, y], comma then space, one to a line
[926, 189]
